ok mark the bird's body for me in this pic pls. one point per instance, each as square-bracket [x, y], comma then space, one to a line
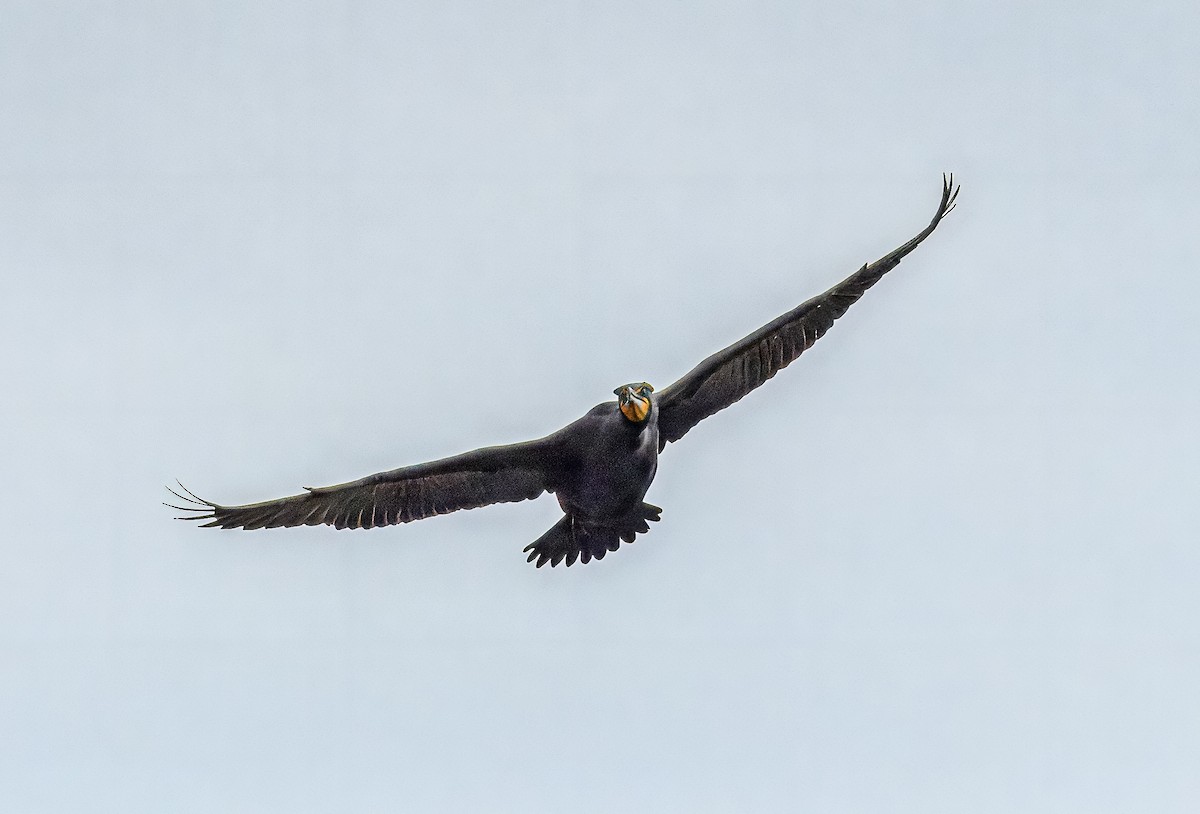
[610, 463]
[606, 466]
[599, 466]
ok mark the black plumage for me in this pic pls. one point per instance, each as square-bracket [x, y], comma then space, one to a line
[599, 466]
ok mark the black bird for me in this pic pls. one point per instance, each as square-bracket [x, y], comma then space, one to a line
[599, 467]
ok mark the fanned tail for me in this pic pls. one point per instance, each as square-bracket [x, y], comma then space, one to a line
[572, 538]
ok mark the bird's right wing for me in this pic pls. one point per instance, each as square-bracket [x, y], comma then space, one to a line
[728, 375]
[501, 474]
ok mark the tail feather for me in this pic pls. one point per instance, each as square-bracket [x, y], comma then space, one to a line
[572, 539]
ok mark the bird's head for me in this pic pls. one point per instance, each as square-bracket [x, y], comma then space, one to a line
[634, 400]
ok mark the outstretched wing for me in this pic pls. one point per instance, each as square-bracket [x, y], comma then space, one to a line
[726, 376]
[491, 475]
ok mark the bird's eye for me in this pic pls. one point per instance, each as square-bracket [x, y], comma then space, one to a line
[645, 390]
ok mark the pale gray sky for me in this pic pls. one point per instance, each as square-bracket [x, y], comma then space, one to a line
[946, 562]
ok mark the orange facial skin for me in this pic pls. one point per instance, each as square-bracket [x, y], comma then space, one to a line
[636, 409]
[634, 400]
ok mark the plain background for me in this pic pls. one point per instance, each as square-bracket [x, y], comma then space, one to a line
[945, 562]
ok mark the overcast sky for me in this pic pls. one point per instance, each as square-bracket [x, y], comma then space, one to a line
[945, 562]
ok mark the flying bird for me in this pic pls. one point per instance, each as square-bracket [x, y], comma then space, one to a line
[599, 467]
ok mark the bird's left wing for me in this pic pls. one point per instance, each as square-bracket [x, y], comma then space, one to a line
[726, 376]
[501, 474]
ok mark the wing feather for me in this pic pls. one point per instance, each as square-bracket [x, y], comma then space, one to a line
[502, 474]
[725, 377]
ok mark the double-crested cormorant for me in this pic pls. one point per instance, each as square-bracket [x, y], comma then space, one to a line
[599, 467]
